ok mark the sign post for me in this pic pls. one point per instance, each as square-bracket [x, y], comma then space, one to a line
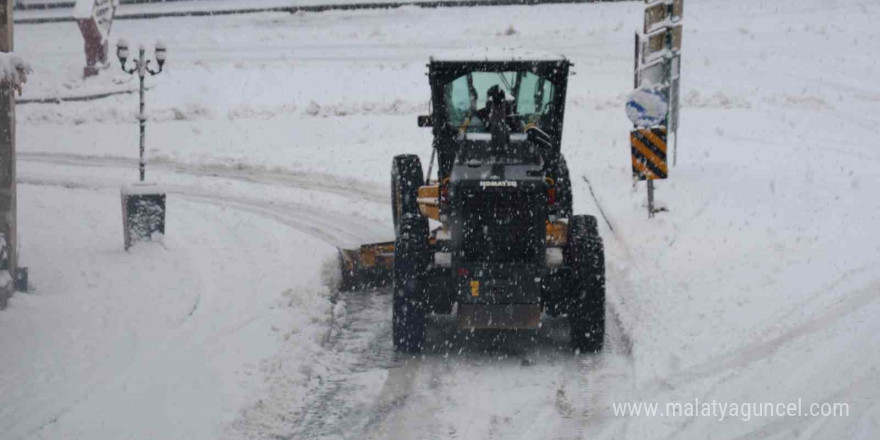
[660, 61]
[648, 148]
[95, 18]
[654, 106]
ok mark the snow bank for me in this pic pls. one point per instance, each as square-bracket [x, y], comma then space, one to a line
[182, 330]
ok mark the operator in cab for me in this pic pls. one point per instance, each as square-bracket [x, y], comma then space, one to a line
[498, 110]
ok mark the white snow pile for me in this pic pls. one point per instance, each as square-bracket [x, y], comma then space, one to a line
[14, 69]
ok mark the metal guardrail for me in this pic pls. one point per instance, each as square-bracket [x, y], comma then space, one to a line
[32, 6]
[308, 8]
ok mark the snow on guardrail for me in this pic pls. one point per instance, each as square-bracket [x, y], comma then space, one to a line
[53, 12]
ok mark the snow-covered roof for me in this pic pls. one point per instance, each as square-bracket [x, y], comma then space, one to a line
[496, 54]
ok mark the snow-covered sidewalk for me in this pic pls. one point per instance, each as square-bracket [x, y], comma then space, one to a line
[165, 341]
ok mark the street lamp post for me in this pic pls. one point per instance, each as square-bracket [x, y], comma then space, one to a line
[143, 205]
[141, 67]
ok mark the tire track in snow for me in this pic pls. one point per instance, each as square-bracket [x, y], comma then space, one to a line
[500, 385]
[864, 385]
[620, 281]
[240, 172]
[338, 232]
[422, 395]
[357, 353]
[339, 229]
[755, 352]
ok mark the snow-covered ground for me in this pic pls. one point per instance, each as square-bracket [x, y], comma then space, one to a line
[273, 134]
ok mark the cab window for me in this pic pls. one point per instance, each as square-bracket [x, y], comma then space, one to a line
[467, 94]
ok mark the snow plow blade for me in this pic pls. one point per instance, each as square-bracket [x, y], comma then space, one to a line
[367, 267]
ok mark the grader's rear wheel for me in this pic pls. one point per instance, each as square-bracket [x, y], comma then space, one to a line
[586, 256]
[406, 178]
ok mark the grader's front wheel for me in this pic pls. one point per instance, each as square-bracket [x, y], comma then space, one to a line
[409, 306]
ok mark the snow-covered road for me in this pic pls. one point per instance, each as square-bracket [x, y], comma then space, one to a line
[393, 394]
[464, 385]
[273, 134]
[160, 340]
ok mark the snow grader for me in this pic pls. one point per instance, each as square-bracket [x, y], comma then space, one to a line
[492, 237]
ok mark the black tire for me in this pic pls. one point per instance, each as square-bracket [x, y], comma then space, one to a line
[586, 256]
[406, 178]
[411, 256]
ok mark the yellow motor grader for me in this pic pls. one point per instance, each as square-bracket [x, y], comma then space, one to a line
[492, 237]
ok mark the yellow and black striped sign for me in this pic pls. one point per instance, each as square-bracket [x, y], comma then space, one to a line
[649, 153]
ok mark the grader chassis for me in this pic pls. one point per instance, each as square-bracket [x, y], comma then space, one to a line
[492, 237]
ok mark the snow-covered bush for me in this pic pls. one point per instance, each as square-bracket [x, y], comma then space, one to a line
[13, 70]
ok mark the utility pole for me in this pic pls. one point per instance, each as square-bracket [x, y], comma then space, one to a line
[8, 211]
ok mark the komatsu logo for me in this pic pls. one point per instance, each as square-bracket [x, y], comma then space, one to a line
[497, 184]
